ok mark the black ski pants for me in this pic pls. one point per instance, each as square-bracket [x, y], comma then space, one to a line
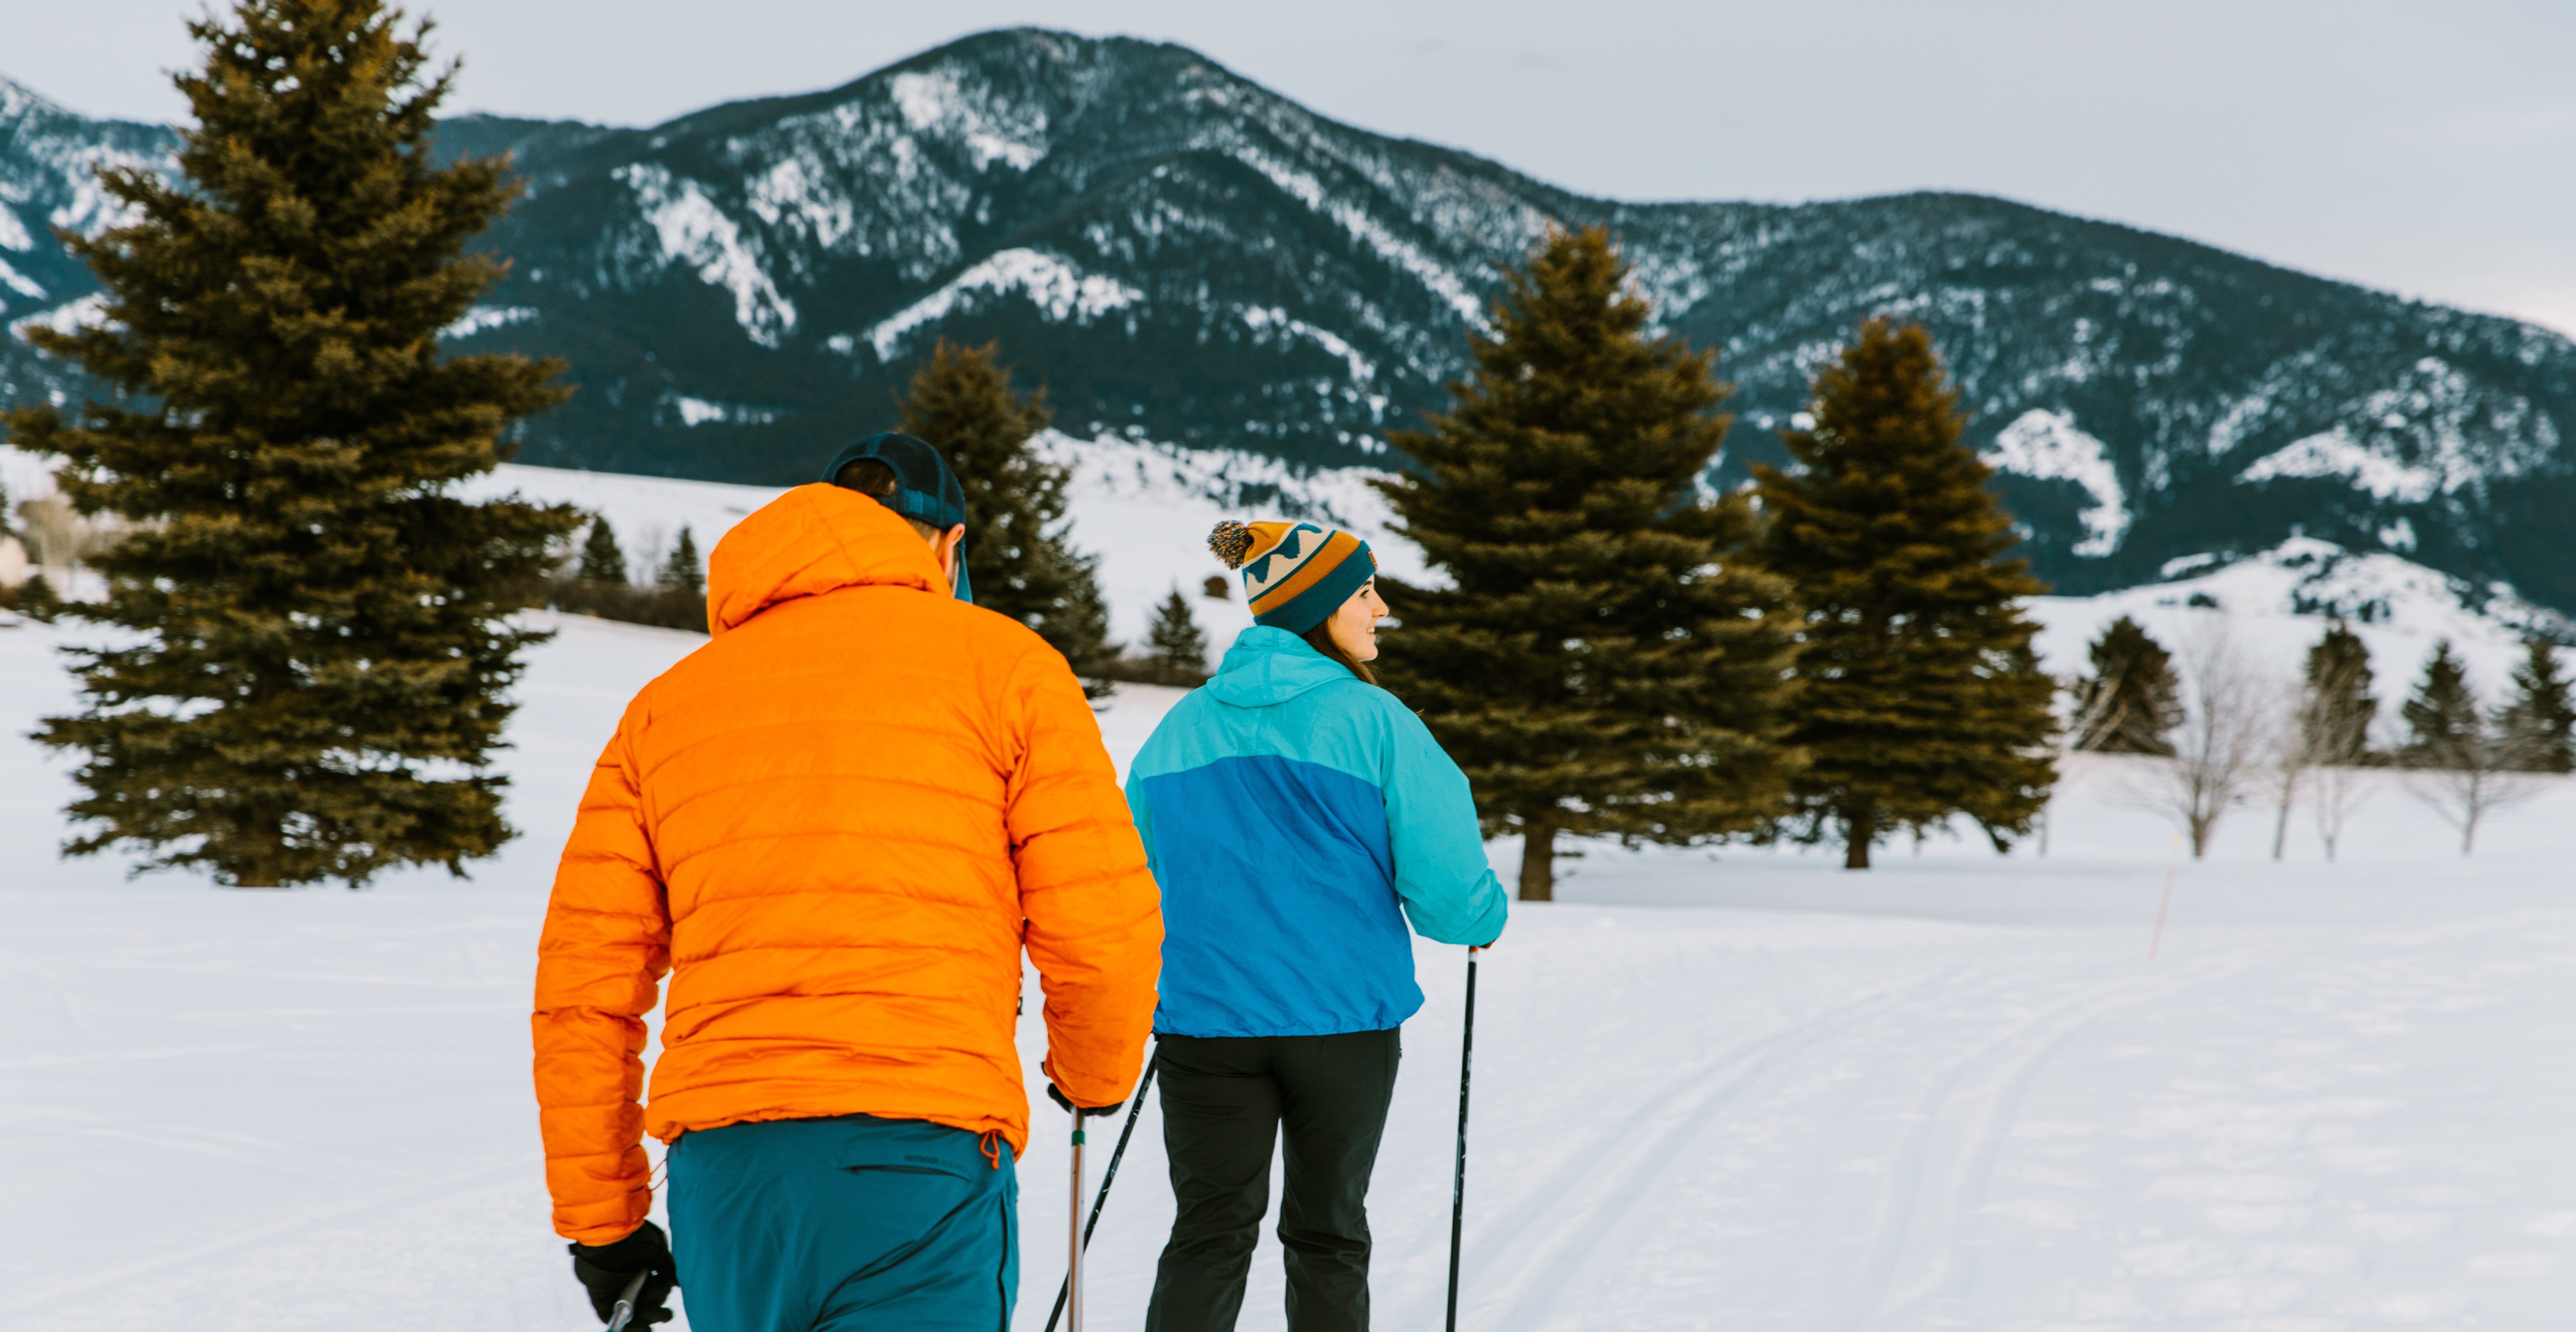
[1225, 1098]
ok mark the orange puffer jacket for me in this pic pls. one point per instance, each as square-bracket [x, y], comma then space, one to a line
[836, 825]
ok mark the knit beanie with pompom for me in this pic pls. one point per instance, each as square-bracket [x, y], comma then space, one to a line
[1294, 574]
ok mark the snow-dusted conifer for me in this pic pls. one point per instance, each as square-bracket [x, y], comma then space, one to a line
[1176, 645]
[2540, 716]
[317, 656]
[683, 574]
[2340, 708]
[36, 598]
[602, 560]
[1018, 557]
[1604, 660]
[2335, 715]
[2130, 702]
[2443, 722]
[2460, 765]
[1919, 698]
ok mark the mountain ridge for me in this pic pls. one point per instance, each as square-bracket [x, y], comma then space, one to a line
[1186, 257]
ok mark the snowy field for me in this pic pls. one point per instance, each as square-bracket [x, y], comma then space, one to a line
[1729, 1090]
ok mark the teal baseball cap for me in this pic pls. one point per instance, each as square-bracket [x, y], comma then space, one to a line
[925, 489]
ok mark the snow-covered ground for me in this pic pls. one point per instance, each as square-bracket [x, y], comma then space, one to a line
[1728, 1089]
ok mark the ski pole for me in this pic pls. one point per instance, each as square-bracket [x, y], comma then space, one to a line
[1073, 1233]
[1107, 1178]
[1458, 1197]
[623, 1312]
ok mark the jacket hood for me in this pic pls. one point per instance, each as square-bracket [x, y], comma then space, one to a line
[1268, 666]
[812, 540]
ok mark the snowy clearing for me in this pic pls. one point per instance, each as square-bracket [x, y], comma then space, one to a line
[1715, 1089]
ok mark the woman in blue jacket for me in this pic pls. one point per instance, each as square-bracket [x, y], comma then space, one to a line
[1296, 816]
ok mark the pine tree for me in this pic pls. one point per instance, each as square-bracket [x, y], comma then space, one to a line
[2132, 699]
[682, 573]
[1016, 553]
[318, 627]
[2444, 728]
[2465, 768]
[1603, 661]
[2537, 722]
[602, 561]
[37, 599]
[1083, 620]
[1175, 646]
[2335, 724]
[1919, 695]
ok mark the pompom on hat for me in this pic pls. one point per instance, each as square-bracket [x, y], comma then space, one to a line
[1294, 574]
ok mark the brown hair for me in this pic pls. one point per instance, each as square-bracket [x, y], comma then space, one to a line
[878, 482]
[1320, 638]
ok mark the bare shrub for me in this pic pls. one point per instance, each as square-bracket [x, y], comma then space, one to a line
[2335, 792]
[2467, 777]
[2230, 711]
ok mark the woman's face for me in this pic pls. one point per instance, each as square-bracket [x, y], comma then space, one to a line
[1354, 626]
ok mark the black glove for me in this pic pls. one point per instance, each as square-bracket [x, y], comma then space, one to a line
[604, 1270]
[1056, 1094]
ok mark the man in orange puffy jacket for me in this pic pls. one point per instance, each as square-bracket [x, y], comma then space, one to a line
[836, 826]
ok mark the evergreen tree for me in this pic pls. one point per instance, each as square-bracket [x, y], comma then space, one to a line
[1083, 620]
[2335, 724]
[1603, 662]
[37, 599]
[2132, 701]
[319, 632]
[602, 561]
[683, 575]
[1919, 696]
[1175, 646]
[2442, 722]
[2537, 722]
[1016, 552]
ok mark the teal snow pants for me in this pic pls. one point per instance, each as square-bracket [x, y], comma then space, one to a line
[833, 1225]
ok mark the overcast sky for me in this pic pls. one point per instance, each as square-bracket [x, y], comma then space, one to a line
[2423, 146]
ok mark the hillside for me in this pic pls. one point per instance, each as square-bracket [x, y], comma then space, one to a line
[1185, 258]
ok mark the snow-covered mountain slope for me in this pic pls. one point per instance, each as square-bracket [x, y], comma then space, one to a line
[1145, 509]
[1733, 1089]
[2273, 605]
[49, 163]
[1182, 255]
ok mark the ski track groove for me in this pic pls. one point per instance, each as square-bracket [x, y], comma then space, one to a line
[1670, 1119]
[2024, 1048]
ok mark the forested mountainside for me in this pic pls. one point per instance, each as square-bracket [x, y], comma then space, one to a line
[1183, 256]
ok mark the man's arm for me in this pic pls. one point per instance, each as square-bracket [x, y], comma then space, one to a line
[606, 946]
[1095, 919]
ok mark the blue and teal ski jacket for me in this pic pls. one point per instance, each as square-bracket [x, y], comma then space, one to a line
[1295, 817]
